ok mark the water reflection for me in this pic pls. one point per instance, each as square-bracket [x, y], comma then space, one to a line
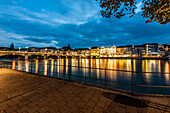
[52, 66]
[26, 66]
[134, 65]
[19, 65]
[36, 66]
[45, 67]
[167, 77]
[60, 66]
[13, 64]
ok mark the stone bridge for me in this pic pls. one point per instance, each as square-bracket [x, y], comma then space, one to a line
[26, 54]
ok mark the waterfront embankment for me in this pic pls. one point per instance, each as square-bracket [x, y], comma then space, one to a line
[25, 92]
[138, 58]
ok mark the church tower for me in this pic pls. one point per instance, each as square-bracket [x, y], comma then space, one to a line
[12, 46]
[69, 45]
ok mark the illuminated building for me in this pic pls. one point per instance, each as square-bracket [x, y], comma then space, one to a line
[107, 51]
[32, 49]
[152, 49]
[147, 50]
[161, 51]
[138, 50]
[66, 51]
[83, 52]
[144, 50]
[48, 50]
[120, 50]
[75, 53]
[166, 48]
[95, 51]
[128, 50]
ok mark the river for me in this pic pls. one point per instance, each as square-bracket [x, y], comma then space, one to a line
[157, 79]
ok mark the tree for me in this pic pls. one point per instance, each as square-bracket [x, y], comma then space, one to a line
[154, 10]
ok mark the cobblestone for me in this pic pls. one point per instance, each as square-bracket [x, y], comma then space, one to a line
[28, 93]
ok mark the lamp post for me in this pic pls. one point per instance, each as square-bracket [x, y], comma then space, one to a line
[46, 50]
[19, 49]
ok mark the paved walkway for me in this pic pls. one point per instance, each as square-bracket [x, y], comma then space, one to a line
[24, 92]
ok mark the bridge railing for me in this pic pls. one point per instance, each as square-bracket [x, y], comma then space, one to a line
[69, 75]
[25, 52]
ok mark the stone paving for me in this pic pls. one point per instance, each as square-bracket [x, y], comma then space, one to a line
[29, 93]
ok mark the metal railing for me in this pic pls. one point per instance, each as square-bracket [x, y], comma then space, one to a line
[9, 65]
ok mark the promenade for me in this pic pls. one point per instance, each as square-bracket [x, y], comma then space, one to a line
[29, 93]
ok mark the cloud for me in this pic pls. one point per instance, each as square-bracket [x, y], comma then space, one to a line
[76, 13]
[71, 21]
[6, 38]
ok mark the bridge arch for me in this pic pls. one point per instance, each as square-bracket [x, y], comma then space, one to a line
[53, 56]
[35, 56]
[11, 56]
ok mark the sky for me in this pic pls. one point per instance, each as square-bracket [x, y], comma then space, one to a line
[55, 23]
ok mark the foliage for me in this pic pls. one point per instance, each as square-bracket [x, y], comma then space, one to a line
[154, 10]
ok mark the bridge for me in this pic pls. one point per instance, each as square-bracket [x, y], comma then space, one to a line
[26, 55]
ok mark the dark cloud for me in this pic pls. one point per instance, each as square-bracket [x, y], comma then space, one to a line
[80, 30]
[38, 40]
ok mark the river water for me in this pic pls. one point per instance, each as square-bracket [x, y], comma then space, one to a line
[61, 66]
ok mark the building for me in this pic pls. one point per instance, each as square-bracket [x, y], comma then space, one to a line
[147, 50]
[128, 50]
[33, 49]
[66, 51]
[47, 50]
[75, 53]
[125, 51]
[66, 48]
[4, 49]
[139, 50]
[83, 52]
[166, 48]
[107, 51]
[95, 52]
[120, 50]
[58, 52]
[152, 49]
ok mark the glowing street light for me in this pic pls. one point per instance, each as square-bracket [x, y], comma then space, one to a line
[19, 49]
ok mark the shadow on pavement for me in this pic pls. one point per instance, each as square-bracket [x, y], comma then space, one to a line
[127, 100]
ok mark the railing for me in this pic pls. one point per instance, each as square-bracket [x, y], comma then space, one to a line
[24, 52]
[9, 65]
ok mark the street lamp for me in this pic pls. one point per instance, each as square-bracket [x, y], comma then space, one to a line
[19, 49]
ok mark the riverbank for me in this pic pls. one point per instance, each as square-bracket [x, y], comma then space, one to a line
[25, 92]
[137, 58]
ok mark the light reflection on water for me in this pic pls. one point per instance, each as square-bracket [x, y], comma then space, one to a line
[41, 67]
[36, 66]
[13, 64]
